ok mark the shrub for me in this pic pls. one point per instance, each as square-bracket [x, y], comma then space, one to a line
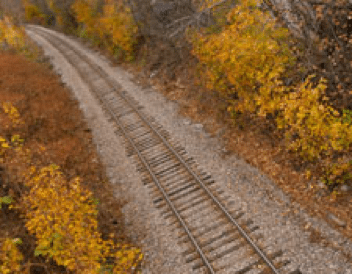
[60, 213]
[245, 59]
[62, 216]
[14, 37]
[114, 27]
[319, 128]
[10, 256]
[33, 13]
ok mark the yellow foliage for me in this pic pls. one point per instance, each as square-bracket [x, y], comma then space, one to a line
[61, 214]
[249, 55]
[11, 121]
[246, 60]
[4, 143]
[10, 257]
[84, 14]
[69, 235]
[15, 37]
[33, 13]
[338, 173]
[127, 258]
[61, 13]
[118, 22]
[12, 35]
[114, 28]
[314, 129]
[12, 114]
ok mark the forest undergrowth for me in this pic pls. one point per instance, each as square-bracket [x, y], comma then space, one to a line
[57, 212]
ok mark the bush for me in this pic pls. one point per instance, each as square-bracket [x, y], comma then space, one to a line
[10, 256]
[313, 128]
[60, 213]
[14, 37]
[114, 27]
[34, 14]
[245, 59]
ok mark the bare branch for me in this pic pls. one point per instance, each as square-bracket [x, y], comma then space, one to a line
[195, 18]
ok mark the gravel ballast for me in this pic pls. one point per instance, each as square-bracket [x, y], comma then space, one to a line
[281, 222]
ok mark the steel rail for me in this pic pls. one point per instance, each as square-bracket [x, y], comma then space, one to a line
[145, 163]
[196, 177]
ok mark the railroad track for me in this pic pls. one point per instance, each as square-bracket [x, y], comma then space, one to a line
[216, 236]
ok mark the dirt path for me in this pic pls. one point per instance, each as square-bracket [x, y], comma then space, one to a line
[281, 222]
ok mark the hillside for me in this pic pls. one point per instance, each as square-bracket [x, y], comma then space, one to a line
[158, 41]
[44, 138]
[272, 80]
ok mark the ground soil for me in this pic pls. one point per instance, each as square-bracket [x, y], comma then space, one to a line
[53, 120]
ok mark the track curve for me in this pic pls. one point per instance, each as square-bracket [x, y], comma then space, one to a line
[221, 239]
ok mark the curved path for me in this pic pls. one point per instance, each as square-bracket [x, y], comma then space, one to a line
[207, 222]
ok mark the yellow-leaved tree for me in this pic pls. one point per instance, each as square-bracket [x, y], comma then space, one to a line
[315, 130]
[118, 22]
[114, 27]
[246, 58]
[10, 256]
[33, 13]
[12, 35]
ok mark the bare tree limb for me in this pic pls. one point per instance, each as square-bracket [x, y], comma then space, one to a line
[195, 18]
